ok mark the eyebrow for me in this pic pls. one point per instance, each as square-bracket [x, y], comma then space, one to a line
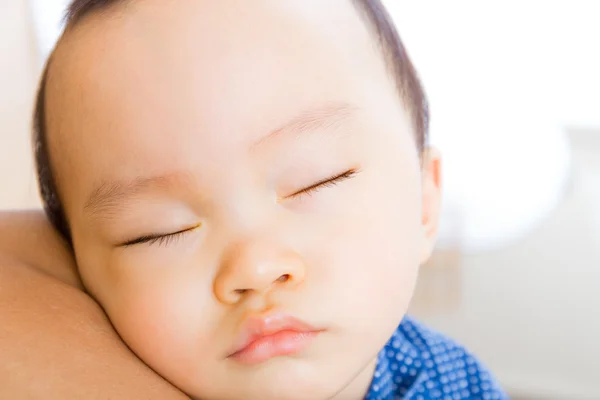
[111, 195]
[325, 117]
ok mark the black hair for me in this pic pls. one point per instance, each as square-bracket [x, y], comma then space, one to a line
[378, 20]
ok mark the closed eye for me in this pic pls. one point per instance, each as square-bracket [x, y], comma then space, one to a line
[160, 239]
[327, 182]
[165, 239]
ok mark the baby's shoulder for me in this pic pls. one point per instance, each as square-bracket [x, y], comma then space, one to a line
[421, 363]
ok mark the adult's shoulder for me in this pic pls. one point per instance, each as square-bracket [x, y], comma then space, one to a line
[28, 239]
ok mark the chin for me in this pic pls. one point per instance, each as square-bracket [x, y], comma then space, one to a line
[285, 378]
[287, 386]
[296, 393]
[278, 391]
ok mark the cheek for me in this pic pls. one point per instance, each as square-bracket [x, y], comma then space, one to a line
[163, 311]
[372, 247]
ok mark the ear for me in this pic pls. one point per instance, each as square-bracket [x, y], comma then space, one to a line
[431, 200]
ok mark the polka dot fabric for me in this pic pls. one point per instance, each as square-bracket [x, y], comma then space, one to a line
[420, 364]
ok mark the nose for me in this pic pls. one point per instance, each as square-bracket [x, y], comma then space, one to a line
[257, 267]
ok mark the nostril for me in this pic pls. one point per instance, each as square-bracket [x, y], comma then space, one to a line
[282, 279]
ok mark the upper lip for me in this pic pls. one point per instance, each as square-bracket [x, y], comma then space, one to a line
[255, 328]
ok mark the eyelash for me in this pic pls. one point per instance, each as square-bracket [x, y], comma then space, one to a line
[325, 183]
[160, 239]
[170, 238]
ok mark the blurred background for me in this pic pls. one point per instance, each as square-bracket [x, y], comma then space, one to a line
[514, 88]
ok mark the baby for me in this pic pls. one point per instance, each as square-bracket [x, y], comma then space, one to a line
[248, 192]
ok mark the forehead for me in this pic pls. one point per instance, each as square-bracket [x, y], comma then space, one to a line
[153, 82]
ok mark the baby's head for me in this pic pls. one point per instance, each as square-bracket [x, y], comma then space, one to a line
[226, 169]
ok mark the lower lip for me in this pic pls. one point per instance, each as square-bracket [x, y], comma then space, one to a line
[283, 343]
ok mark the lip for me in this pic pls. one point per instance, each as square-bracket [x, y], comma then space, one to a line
[272, 336]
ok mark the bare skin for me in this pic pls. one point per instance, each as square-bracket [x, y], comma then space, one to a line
[55, 341]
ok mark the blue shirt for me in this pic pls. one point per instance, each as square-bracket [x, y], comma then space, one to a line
[421, 364]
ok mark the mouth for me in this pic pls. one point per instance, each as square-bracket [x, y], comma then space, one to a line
[273, 336]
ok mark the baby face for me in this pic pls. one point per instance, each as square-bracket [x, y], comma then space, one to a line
[244, 192]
